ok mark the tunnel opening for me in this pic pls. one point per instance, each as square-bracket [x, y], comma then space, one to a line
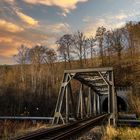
[121, 105]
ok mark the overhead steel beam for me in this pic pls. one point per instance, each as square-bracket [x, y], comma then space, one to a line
[89, 70]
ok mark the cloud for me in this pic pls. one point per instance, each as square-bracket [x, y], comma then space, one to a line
[121, 16]
[90, 29]
[87, 19]
[5, 40]
[27, 19]
[10, 27]
[136, 1]
[10, 43]
[66, 5]
[109, 21]
[59, 28]
[10, 1]
[8, 52]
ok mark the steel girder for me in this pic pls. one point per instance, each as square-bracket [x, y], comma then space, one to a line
[100, 82]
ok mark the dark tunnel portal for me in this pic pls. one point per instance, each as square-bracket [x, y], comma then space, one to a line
[121, 105]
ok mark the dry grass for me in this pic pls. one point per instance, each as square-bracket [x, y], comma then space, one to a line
[135, 104]
[125, 133]
[110, 133]
[9, 129]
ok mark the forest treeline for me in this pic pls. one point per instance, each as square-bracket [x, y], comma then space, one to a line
[31, 87]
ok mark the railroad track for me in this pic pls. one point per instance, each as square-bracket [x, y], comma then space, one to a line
[65, 131]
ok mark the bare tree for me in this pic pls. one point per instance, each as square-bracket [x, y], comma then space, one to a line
[133, 39]
[119, 41]
[41, 55]
[91, 42]
[108, 45]
[50, 56]
[64, 47]
[36, 57]
[36, 54]
[79, 50]
[100, 37]
[22, 55]
[22, 58]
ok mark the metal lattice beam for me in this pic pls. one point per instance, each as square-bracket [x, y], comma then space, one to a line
[100, 82]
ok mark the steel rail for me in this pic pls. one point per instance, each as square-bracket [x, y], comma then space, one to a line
[78, 129]
[64, 131]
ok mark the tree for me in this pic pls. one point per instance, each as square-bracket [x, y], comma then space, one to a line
[85, 48]
[119, 41]
[36, 54]
[79, 50]
[39, 55]
[133, 39]
[64, 47]
[22, 58]
[91, 44]
[109, 45]
[36, 57]
[100, 37]
[50, 56]
[134, 53]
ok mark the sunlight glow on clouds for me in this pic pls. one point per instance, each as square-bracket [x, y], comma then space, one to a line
[107, 22]
[8, 53]
[121, 16]
[27, 19]
[90, 30]
[10, 45]
[66, 5]
[8, 26]
[32, 22]
[5, 40]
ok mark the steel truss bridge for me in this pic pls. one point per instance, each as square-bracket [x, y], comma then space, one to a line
[100, 82]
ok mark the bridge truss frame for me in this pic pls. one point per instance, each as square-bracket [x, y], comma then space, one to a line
[100, 81]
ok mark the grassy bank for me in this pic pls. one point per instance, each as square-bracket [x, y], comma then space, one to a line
[9, 129]
[121, 133]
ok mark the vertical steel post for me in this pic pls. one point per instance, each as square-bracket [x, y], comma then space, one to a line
[114, 105]
[84, 102]
[73, 107]
[67, 104]
[57, 114]
[89, 103]
[94, 104]
[109, 96]
[111, 100]
[78, 106]
[82, 109]
[98, 104]
[80, 103]
[81, 100]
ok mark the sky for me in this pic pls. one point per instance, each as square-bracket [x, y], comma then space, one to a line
[33, 22]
